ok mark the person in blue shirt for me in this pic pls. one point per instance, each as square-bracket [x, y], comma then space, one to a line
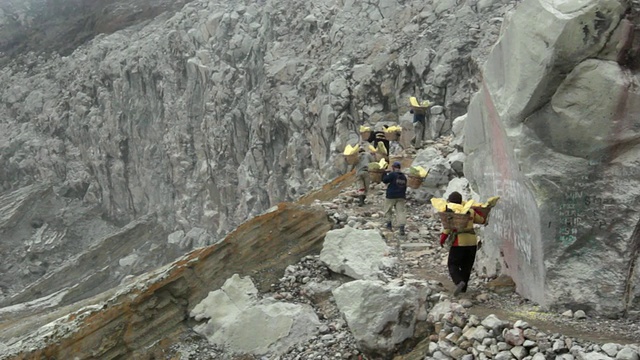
[396, 197]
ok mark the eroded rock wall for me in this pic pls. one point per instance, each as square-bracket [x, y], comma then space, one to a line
[220, 111]
[554, 131]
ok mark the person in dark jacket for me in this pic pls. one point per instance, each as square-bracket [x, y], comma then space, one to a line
[396, 198]
[378, 137]
[462, 254]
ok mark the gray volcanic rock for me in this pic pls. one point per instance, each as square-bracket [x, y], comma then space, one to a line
[554, 132]
[207, 116]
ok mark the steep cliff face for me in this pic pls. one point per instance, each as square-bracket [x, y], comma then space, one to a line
[554, 130]
[209, 115]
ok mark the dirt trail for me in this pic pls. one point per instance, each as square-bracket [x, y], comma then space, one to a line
[504, 309]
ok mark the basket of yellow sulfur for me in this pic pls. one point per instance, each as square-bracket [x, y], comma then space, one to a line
[392, 136]
[454, 221]
[376, 175]
[365, 133]
[351, 159]
[351, 154]
[416, 176]
[485, 209]
[392, 133]
[414, 182]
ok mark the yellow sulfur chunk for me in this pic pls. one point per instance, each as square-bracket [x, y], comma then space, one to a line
[349, 150]
[413, 101]
[418, 171]
[382, 149]
[490, 203]
[439, 204]
[493, 200]
[460, 208]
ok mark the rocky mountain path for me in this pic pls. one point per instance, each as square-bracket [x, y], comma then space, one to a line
[420, 256]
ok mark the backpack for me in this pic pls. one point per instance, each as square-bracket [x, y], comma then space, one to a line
[401, 180]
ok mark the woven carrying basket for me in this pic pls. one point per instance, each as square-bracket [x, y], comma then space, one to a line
[376, 176]
[392, 136]
[365, 135]
[351, 159]
[414, 182]
[380, 156]
[485, 211]
[453, 221]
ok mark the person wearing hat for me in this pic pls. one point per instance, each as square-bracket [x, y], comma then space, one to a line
[362, 174]
[462, 253]
[396, 197]
[379, 137]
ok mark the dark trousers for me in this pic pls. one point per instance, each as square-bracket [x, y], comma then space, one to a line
[460, 263]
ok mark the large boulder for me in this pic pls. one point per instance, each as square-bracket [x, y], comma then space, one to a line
[552, 131]
[381, 316]
[359, 254]
[240, 323]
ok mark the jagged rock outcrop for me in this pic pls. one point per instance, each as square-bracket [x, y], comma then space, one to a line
[211, 114]
[206, 117]
[554, 131]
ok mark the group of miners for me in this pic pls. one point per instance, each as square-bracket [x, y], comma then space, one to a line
[463, 243]
[396, 193]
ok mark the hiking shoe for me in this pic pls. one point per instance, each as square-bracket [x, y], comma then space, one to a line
[402, 230]
[388, 225]
[459, 288]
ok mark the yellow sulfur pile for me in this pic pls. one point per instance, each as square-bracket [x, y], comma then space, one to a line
[364, 128]
[491, 202]
[393, 128]
[382, 149]
[418, 171]
[441, 205]
[349, 150]
[413, 101]
[381, 165]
